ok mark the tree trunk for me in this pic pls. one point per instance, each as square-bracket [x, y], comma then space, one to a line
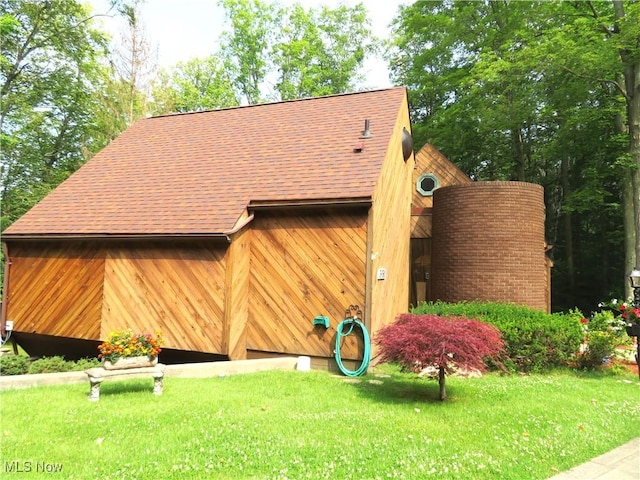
[518, 153]
[566, 225]
[634, 149]
[632, 78]
[631, 75]
[629, 233]
[441, 383]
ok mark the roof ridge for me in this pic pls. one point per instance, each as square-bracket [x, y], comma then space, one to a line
[293, 100]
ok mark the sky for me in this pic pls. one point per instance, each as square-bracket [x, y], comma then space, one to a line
[183, 29]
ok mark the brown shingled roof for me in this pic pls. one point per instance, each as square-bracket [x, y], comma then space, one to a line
[195, 173]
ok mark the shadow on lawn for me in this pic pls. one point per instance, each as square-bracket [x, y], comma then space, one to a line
[399, 389]
[111, 388]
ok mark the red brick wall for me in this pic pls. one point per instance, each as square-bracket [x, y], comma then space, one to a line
[488, 244]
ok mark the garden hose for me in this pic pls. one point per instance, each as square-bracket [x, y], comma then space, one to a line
[366, 356]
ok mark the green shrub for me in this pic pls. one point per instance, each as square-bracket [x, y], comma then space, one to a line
[85, 363]
[50, 365]
[14, 365]
[600, 347]
[21, 365]
[607, 321]
[535, 341]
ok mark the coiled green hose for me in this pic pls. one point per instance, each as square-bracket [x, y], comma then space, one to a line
[366, 356]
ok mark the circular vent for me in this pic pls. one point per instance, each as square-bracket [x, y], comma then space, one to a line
[426, 184]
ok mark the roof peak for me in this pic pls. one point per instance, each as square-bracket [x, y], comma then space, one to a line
[293, 100]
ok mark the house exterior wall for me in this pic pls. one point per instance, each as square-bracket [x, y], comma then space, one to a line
[428, 161]
[488, 244]
[237, 295]
[55, 288]
[176, 289]
[85, 290]
[304, 264]
[389, 234]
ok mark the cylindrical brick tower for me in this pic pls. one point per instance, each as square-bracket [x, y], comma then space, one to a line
[489, 245]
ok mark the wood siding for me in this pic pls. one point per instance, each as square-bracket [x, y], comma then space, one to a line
[178, 290]
[390, 226]
[429, 160]
[56, 288]
[236, 296]
[421, 224]
[304, 265]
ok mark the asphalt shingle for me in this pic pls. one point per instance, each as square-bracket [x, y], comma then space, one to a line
[195, 173]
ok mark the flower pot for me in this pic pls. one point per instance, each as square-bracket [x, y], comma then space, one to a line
[130, 362]
[633, 330]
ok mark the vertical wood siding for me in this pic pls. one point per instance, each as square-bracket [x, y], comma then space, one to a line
[178, 290]
[304, 265]
[56, 289]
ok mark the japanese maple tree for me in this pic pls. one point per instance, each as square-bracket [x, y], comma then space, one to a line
[419, 341]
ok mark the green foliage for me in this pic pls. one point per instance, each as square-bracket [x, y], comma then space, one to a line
[603, 332]
[14, 365]
[49, 365]
[607, 321]
[535, 341]
[21, 365]
[533, 91]
[318, 52]
[309, 52]
[600, 347]
[276, 425]
[197, 84]
[85, 364]
[49, 58]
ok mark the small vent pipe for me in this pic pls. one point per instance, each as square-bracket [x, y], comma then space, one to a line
[367, 132]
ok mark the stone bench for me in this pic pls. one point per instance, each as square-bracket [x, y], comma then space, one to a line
[98, 374]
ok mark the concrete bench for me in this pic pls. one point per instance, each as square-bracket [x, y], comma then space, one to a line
[98, 374]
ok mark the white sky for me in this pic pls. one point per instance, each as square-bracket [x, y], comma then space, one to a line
[185, 29]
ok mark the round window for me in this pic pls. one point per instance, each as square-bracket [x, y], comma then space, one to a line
[426, 184]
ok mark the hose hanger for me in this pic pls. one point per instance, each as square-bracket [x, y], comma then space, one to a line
[352, 317]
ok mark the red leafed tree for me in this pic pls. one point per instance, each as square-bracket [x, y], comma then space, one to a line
[419, 341]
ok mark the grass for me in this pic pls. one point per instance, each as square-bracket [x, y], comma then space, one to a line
[295, 425]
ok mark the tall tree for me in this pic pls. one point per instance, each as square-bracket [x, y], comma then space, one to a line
[49, 55]
[277, 53]
[506, 89]
[598, 44]
[198, 84]
[245, 47]
[132, 64]
[318, 52]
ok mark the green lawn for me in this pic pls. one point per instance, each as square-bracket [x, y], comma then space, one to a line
[277, 425]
